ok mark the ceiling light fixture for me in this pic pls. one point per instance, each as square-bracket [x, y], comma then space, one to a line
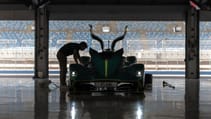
[105, 29]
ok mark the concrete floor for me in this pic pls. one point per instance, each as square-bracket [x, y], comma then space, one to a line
[20, 100]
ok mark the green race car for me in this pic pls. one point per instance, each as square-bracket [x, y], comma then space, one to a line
[106, 71]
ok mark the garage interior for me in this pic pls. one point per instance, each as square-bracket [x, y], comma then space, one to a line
[171, 38]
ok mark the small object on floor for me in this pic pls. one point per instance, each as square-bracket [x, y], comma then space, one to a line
[167, 84]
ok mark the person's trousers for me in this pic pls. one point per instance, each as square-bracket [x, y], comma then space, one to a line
[63, 67]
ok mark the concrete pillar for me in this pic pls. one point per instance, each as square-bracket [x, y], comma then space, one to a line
[192, 44]
[192, 83]
[41, 59]
[41, 42]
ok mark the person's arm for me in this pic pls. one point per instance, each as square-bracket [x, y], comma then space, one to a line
[76, 56]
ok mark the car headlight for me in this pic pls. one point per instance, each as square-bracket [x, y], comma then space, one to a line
[73, 73]
[139, 74]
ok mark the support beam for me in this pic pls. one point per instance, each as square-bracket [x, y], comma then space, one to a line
[192, 44]
[41, 43]
[192, 82]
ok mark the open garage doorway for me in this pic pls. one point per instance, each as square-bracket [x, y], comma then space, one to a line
[160, 45]
[205, 48]
[16, 47]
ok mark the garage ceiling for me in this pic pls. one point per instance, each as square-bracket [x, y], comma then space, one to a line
[100, 2]
[101, 9]
[123, 2]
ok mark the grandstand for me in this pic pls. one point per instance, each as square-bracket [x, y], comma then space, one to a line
[155, 43]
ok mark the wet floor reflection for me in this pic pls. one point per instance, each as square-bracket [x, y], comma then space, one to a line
[168, 104]
[32, 101]
[192, 88]
[110, 106]
[106, 107]
[88, 106]
[62, 105]
[41, 100]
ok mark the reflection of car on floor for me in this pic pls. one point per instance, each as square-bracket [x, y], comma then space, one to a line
[108, 70]
[125, 107]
